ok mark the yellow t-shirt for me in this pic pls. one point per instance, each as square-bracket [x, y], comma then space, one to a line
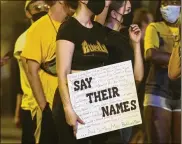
[41, 47]
[162, 38]
[28, 100]
[168, 37]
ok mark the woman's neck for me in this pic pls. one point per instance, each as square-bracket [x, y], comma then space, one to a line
[56, 13]
[83, 15]
[176, 24]
[114, 25]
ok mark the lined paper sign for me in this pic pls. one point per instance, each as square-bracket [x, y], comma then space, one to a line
[105, 99]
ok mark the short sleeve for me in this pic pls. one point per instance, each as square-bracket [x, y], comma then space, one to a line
[33, 46]
[151, 38]
[19, 45]
[66, 31]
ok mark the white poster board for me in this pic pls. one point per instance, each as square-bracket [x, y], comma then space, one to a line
[105, 99]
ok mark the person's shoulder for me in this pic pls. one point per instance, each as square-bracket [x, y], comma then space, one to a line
[95, 23]
[39, 25]
[22, 36]
[118, 35]
[157, 25]
[20, 42]
[115, 38]
[69, 24]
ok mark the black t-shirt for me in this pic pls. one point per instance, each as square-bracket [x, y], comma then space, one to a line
[90, 50]
[119, 47]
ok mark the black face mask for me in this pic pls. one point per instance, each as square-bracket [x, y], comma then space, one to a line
[127, 19]
[96, 6]
[37, 16]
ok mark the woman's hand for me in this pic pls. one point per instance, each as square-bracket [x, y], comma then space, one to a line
[135, 33]
[72, 118]
[17, 121]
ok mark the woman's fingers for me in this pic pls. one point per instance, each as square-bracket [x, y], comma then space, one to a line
[80, 120]
[76, 124]
[134, 27]
[75, 130]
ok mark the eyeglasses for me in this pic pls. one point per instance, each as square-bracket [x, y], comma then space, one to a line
[40, 7]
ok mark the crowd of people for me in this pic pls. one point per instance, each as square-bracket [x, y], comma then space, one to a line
[58, 43]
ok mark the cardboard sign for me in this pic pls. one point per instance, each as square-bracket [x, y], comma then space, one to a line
[105, 99]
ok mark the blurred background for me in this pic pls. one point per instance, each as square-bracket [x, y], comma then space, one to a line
[14, 23]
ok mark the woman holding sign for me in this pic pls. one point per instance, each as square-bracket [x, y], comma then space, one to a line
[80, 46]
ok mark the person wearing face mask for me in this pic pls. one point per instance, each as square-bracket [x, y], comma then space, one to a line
[40, 48]
[73, 55]
[114, 16]
[123, 47]
[35, 9]
[26, 103]
[162, 102]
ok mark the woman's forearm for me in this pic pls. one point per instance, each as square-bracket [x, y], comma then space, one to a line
[138, 63]
[174, 68]
[64, 93]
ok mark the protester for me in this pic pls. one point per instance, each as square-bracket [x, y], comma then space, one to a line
[40, 48]
[74, 36]
[122, 46]
[142, 17]
[26, 104]
[162, 104]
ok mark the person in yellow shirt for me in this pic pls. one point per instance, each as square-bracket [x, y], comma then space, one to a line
[40, 49]
[34, 10]
[162, 102]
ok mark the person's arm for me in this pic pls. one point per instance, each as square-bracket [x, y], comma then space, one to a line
[174, 68]
[158, 57]
[32, 56]
[138, 63]
[17, 110]
[152, 51]
[135, 36]
[64, 55]
[32, 68]
[101, 18]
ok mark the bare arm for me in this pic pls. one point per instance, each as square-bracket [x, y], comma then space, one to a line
[63, 61]
[17, 110]
[152, 47]
[174, 68]
[32, 68]
[158, 57]
[135, 36]
[138, 63]
[101, 18]
[64, 55]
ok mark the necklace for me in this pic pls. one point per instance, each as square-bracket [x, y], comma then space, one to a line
[52, 24]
